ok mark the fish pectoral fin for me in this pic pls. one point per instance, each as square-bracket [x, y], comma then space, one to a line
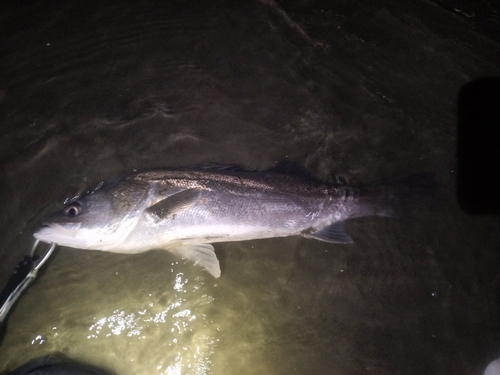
[174, 203]
[334, 233]
[202, 254]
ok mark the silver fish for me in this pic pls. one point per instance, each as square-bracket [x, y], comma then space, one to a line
[185, 210]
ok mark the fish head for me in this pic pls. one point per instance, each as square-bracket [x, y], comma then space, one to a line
[98, 220]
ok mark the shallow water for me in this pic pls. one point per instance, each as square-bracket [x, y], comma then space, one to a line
[88, 93]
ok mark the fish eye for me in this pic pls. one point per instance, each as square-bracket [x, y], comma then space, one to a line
[73, 209]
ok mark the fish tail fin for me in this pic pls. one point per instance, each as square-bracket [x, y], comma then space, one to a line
[390, 196]
[386, 197]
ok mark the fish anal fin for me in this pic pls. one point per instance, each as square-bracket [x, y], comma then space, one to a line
[334, 233]
[174, 203]
[202, 254]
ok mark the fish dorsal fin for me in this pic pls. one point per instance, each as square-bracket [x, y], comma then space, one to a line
[292, 168]
[334, 233]
[174, 203]
[202, 254]
[216, 167]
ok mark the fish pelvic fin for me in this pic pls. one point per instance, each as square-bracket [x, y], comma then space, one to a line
[202, 254]
[333, 233]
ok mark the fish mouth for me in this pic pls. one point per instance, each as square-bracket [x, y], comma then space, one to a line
[50, 232]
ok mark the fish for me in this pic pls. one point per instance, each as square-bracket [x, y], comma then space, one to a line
[186, 210]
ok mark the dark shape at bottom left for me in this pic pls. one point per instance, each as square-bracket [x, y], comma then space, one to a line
[57, 365]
